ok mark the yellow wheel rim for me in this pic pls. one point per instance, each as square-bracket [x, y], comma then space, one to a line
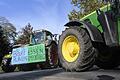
[70, 48]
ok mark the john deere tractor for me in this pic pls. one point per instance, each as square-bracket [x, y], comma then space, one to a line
[40, 52]
[95, 39]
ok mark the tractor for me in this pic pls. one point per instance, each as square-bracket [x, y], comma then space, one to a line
[92, 40]
[41, 52]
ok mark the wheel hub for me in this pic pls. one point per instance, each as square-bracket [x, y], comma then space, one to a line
[70, 48]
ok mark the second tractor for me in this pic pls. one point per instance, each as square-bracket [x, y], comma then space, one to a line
[41, 52]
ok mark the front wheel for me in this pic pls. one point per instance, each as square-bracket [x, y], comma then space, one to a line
[51, 56]
[6, 66]
[76, 52]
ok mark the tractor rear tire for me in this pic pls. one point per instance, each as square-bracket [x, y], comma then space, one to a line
[82, 57]
[108, 58]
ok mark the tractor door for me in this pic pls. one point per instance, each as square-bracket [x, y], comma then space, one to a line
[110, 32]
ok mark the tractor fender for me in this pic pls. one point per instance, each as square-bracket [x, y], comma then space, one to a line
[94, 33]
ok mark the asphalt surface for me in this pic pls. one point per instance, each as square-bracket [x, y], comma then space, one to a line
[60, 74]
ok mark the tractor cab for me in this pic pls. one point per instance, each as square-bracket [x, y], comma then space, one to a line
[41, 36]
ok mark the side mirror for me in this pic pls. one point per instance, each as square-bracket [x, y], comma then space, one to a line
[56, 37]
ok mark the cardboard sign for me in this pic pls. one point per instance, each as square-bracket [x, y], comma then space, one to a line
[36, 53]
[20, 55]
[28, 54]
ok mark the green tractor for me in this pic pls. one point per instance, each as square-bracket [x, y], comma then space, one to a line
[42, 52]
[94, 40]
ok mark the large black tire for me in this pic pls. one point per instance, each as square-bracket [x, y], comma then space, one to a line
[107, 58]
[86, 57]
[27, 67]
[6, 67]
[51, 56]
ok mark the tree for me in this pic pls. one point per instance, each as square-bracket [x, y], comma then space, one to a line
[6, 32]
[25, 37]
[8, 29]
[84, 7]
[4, 44]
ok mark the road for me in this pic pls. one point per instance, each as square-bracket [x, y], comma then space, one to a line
[60, 74]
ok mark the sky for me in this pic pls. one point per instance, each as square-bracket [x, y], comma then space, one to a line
[42, 14]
